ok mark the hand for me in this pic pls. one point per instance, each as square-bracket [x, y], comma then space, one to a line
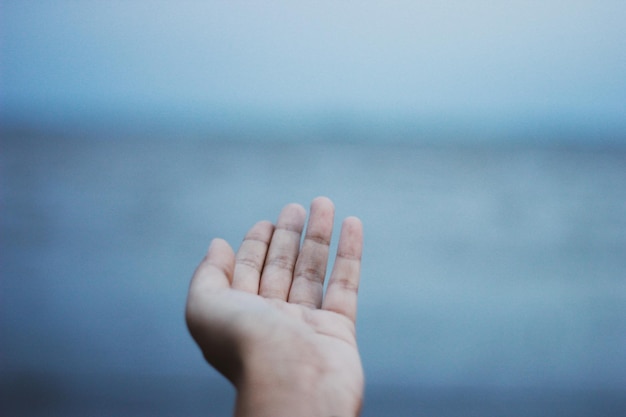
[261, 317]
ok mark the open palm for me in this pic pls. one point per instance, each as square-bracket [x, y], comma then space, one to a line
[261, 315]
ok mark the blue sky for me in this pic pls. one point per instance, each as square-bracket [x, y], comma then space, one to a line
[489, 67]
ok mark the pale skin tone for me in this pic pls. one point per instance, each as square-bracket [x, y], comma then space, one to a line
[262, 319]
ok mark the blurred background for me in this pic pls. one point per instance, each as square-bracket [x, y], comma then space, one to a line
[483, 145]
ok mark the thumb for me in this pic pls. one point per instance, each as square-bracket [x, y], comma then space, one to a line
[215, 272]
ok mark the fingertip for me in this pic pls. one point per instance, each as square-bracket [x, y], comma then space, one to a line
[322, 208]
[295, 208]
[216, 268]
[261, 231]
[220, 254]
[264, 224]
[351, 238]
[292, 217]
[215, 244]
[353, 222]
[322, 201]
[353, 225]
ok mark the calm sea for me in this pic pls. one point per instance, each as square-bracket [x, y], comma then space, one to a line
[494, 277]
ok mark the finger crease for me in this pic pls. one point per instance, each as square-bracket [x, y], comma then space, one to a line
[346, 284]
[281, 262]
[311, 277]
[348, 256]
[252, 263]
[318, 239]
[288, 228]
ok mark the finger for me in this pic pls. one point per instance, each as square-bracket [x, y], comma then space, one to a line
[251, 257]
[343, 285]
[308, 282]
[215, 272]
[282, 253]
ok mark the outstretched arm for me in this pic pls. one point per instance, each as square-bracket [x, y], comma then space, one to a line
[261, 317]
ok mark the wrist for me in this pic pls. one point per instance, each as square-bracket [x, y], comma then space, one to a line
[296, 385]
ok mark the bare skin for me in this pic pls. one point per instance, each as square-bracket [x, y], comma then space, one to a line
[261, 317]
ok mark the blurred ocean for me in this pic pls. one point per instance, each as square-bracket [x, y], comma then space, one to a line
[494, 277]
